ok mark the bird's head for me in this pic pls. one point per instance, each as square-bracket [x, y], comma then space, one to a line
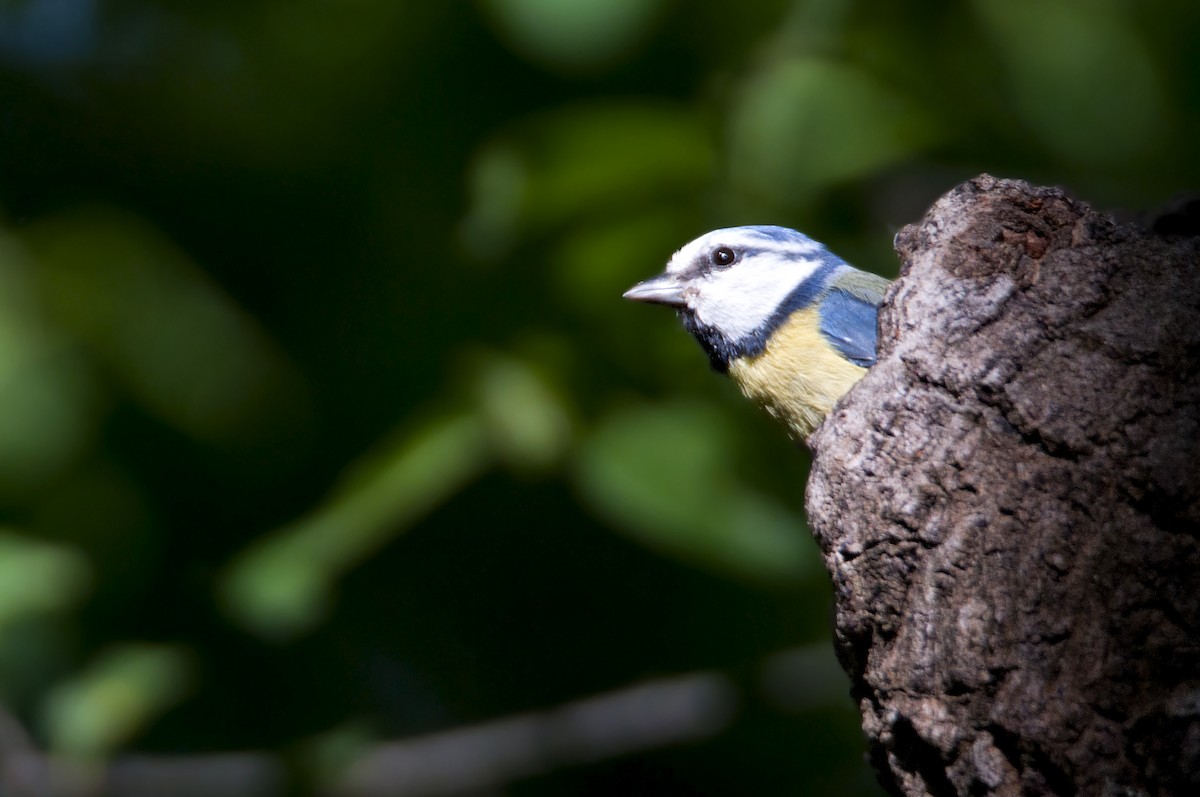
[732, 287]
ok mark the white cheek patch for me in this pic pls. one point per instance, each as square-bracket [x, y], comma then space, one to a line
[739, 300]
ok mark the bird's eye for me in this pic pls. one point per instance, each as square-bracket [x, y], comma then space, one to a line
[723, 256]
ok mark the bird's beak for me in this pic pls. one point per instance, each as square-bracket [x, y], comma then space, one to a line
[663, 289]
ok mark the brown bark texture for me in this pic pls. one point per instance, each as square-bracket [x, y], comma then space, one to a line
[1009, 505]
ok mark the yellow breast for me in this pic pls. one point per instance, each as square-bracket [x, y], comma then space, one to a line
[799, 376]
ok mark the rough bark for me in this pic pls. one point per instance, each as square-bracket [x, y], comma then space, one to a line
[1009, 505]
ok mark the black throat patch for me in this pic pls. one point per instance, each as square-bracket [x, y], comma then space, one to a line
[721, 350]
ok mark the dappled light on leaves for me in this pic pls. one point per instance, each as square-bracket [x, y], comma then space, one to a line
[806, 124]
[527, 423]
[37, 578]
[590, 158]
[281, 586]
[48, 398]
[324, 431]
[663, 475]
[609, 256]
[576, 35]
[1051, 52]
[155, 323]
[125, 688]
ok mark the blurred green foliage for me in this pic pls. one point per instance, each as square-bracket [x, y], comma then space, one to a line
[321, 417]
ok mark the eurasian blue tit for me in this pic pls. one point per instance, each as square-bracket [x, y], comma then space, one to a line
[790, 322]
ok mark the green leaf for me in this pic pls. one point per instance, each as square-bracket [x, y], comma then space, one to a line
[1081, 78]
[804, 124]
[527, 421]
[38, 577]
[48, 397]
[114, 699]
[665, 475]
[573, 35]
[172, 338]
[281, 585]
[581, 161]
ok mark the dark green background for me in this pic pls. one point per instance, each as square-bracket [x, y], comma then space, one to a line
[322, 422]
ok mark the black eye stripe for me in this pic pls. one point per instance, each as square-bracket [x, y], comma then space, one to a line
[718, 258]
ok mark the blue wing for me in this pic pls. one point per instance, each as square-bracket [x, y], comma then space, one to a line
[848, 323]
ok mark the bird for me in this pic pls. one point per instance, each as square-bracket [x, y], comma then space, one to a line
[791, 323]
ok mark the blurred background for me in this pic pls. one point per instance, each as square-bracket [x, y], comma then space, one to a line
[331, 460]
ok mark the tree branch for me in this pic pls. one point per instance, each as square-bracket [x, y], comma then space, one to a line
[1009, 505]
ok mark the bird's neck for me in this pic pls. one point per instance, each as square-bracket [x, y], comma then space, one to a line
[798, 376]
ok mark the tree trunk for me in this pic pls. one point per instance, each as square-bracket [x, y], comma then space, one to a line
[1009, 505]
